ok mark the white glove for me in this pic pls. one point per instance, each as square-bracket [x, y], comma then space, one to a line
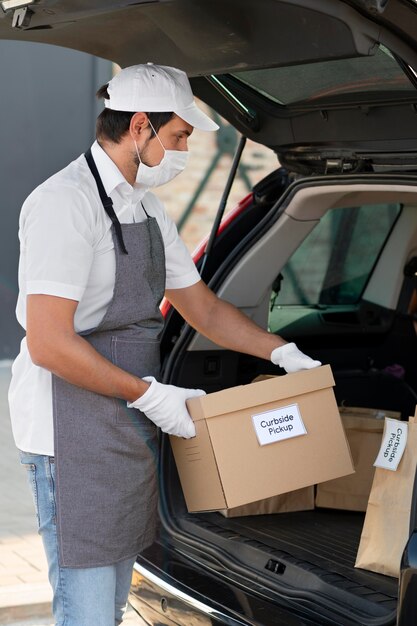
[165, 406]
[292, 359]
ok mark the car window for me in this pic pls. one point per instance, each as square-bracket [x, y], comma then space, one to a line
[329, 79]
[333, 264]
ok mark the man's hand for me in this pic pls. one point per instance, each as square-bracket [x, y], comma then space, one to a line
[165, 406]
[292, 359]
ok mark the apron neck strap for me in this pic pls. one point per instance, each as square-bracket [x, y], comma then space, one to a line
[145, 211]
[106, 201]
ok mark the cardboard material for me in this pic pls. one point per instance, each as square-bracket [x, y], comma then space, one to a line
[300, 500]
[291, 502]
[364, 429]
[225, 466]
[387, 521]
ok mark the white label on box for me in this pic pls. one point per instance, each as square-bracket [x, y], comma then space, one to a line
[278, 424]
[393, 444]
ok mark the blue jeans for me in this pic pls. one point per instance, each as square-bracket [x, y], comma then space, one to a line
[81, 597]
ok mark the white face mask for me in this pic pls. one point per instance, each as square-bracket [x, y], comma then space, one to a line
[173, 162]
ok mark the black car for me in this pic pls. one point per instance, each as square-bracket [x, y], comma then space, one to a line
[323, 252]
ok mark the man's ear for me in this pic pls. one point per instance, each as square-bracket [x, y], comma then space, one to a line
[138, 124]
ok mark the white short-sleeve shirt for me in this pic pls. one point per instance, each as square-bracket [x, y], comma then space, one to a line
[66, 250]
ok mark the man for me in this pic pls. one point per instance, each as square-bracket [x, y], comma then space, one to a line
[98, 252]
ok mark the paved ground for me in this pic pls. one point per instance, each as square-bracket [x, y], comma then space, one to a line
[131, 619]
[23, 578]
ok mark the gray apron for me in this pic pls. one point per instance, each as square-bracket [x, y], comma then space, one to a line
[106, 455]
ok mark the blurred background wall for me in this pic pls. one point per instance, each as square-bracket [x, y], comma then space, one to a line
[47, 118]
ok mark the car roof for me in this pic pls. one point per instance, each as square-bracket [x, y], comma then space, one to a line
[284, 72]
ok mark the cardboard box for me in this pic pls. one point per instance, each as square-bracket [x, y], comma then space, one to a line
[364, 429]
[299, 500]
[260, 440]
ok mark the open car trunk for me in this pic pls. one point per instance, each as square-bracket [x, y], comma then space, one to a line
[304, 557]
[307, 558]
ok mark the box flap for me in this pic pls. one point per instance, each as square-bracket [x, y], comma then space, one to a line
[360, 411]
[365, 420]
[258, 393]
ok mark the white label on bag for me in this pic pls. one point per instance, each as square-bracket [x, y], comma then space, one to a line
[278, 424]
[393, 444]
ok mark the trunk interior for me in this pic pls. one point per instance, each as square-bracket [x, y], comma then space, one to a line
[305, 557]
[313, 553]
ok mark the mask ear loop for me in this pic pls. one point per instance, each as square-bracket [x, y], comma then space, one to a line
[156, 135]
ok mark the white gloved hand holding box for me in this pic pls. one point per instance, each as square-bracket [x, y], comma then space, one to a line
[165, 406]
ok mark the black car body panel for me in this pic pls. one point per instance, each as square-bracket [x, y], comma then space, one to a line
[170, 587]
[240, 36]
[234, 35]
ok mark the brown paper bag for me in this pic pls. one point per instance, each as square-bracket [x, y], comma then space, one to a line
[299, 500]
[364, 428]
[387, 522]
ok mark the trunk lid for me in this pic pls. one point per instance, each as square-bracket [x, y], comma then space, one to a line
[329, 85]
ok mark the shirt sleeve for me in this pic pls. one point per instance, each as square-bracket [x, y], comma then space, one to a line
[180, 268]
[57, 242]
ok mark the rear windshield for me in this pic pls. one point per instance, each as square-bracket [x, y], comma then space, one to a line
[329, 79]
[334, 263]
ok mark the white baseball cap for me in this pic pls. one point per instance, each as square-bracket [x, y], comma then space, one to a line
[152, 88]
